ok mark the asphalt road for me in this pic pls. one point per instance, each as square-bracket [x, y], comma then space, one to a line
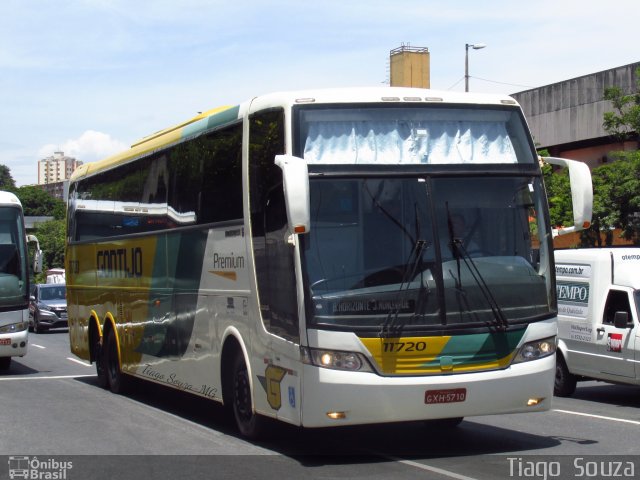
[54, 411]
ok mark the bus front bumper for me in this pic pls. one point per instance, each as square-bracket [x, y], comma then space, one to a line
[13, 344]
[333, 398]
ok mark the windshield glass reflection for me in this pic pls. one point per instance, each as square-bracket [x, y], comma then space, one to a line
[426, 252]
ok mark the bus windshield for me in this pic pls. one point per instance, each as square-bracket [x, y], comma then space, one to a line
[13, 271]
[427, 251]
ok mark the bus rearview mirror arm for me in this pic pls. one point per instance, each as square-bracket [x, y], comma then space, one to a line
[37, 254]
[295, 182]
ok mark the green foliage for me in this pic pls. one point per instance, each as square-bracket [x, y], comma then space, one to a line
[51, 235]
[625, 119]
[616, 196]
[6, 180]
[38, 203]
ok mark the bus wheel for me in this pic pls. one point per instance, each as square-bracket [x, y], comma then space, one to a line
[565, 383]
[101, 363]
[5, 363]
[115, 377]
[249, 423]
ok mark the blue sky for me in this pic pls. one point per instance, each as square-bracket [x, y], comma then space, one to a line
[90, 77]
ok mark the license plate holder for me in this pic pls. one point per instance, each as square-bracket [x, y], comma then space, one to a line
[448, 395]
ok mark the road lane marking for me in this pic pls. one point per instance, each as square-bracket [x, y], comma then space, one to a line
[79, 361]
[52, 377]
[428, 468]
[601, 417]
[37, 346]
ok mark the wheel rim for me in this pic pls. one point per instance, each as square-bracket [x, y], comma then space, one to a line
[242, 400]
[558, 375]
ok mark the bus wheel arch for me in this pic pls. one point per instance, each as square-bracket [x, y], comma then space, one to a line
[237, 389]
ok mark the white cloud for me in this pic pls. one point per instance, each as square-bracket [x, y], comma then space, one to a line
[88, 147]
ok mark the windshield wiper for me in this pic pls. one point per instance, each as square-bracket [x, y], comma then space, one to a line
[460, 252]
[391, 327]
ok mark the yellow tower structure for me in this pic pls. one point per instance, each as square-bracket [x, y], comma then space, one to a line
[410, 67]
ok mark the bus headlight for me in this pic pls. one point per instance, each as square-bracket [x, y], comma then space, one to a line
[14, 327]
[535, 350]
[334, 359]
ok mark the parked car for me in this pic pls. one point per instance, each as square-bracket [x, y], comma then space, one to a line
[48, 307]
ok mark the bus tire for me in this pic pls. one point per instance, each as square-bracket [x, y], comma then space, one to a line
[5, 363]
[565, 381]
[116, 379]
[101, 363]
[444, 423]
[248, 422]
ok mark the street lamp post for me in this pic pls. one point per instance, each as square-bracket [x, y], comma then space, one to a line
[475, 46]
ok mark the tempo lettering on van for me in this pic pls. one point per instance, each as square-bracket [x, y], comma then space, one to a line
[572, 292]
[578, 271]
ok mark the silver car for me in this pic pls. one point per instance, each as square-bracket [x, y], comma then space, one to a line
[48, 307]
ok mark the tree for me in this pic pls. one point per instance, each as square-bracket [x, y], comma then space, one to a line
[624, 121]
[37, 203]
[6, 180]
[51, 236]
[616, 197]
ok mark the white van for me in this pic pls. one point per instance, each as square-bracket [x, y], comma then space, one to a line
[598, 314]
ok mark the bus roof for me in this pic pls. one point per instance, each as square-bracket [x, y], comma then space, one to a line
[226, 114]
[8, 198]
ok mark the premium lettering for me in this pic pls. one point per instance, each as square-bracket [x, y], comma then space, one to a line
[228, 261]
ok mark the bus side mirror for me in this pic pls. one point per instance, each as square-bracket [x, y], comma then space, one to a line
[581, 193]
[37, 254]
[621, 320]
[295, 181]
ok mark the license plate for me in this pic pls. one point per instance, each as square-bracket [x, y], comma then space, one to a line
[5, 341]
[450, 395]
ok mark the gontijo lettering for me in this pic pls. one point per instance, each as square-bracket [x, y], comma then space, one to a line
[119, 263]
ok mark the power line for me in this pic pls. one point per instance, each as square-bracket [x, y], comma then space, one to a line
[461, 78]
[504, 83]
[490, 81]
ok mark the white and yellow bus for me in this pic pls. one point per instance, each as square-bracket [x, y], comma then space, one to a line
[324, 258]
[15, 273]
